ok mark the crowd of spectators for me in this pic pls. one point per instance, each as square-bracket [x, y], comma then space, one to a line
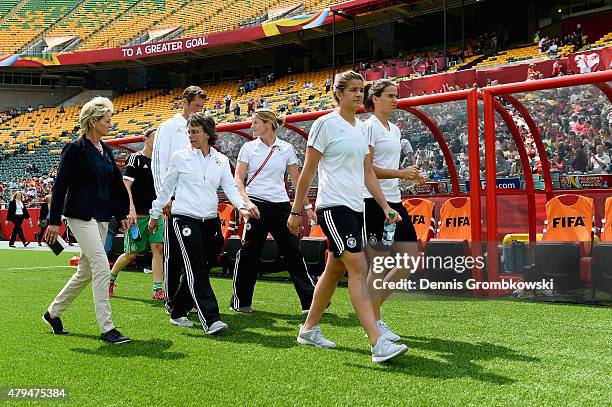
[34, 188]
[551, 45]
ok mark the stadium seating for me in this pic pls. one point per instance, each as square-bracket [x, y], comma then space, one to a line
[31, 20]
[112, 23]
[604, 41]
[138, 19]
[512, 55]
[6, 6]
[90, 17]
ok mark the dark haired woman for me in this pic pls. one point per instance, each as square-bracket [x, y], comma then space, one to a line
[337, 149]
[193, 177]
[383, 138]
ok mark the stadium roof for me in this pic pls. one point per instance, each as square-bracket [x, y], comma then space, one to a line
[356, 7]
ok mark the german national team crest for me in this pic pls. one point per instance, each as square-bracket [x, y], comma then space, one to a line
[351, 242]
[373, 239]
[186, 231]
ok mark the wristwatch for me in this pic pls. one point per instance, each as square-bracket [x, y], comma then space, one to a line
[307, 207]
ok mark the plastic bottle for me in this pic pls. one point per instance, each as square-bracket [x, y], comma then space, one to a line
[389, 231]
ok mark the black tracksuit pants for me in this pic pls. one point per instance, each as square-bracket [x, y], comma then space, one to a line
[17, 230]
[273, 219]
[196, 239]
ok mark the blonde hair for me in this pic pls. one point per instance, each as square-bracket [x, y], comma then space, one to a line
[269, 116]
[342, 80]
[14, 197]
[95, 109]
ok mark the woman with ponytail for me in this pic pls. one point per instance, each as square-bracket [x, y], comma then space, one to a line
[264, 162]
[384, 143]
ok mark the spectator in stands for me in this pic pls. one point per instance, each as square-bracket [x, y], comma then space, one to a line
[88, 191]
[236, 111]
[17, 212]
[138, 180]
[578, 35]
[532, 74]
[218, 106]
[264, 162]
[558, 163]
[194, 175]
[61, 109]
[557, 69]
[580, 162]
[503, 166]
[43, 218]
[171, 137]
[328, 83]
[30, 109]
[250, 107]
[228, 103]
[599, 161]
[337, 146]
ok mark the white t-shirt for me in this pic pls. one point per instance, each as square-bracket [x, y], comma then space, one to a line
[387, 149]
[598, 168]
[19, 208]
[343, 148]
[269, 184]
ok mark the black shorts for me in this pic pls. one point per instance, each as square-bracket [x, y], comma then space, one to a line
[375, 222]
[343, 228]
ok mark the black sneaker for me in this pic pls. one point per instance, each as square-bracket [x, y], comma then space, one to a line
[113, 336]
[55, 324]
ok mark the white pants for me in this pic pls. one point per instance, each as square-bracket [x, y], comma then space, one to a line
[93, 266]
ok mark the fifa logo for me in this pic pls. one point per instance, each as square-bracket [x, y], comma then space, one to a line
[568, 222]
[457, 222]
[418, 219]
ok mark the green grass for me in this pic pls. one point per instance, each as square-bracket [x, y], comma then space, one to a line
[462, 352]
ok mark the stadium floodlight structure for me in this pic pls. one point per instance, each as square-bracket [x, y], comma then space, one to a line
[490, 98]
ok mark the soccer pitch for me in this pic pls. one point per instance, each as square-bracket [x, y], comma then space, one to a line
[462, 352]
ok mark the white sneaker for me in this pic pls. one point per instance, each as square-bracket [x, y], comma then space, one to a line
[314, 337]
[386, 331]
[385, 350]
[183, 322]
[216, 328]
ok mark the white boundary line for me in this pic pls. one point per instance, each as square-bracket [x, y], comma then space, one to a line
[37, 268]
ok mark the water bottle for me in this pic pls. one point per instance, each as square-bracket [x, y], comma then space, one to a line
[389, 231]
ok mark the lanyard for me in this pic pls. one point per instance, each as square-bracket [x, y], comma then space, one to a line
[261, 166]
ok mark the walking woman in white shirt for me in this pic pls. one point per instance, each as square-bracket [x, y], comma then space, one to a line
[264, 161]
[193, 177]
[337, 148]
[383, 138]
[17, 212]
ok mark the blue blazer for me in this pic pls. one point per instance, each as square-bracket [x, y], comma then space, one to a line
[76, 185]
